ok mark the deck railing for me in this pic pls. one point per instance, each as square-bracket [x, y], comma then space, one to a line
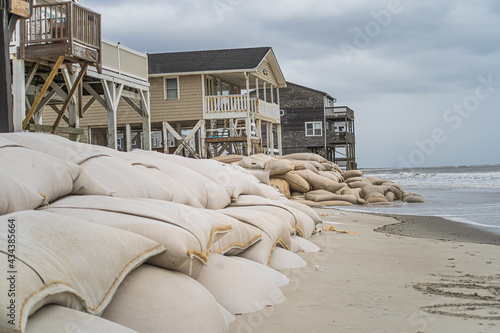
[62, 22]
[339, 111]
[123, 60]
[227, 106]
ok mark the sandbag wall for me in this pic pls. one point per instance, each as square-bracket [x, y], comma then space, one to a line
[311, 179]
[134, 242]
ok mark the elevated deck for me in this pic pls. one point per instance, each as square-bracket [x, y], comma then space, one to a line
[237, 106]
[62, 29]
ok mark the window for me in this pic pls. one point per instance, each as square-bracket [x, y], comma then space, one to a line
[314, 128]
[171, 88]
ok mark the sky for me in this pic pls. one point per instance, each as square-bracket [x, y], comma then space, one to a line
[423, 77]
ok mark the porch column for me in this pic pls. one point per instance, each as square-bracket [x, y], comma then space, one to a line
[146, 120]
[257, 87]
[164, 135]
[128, 137]
[203, 135]
[248, 119]
[280, 140]
[272, 94]
[19, 90]
[271, 139]
[268, 139]
[74, 120]
[112, 98]
[265, 92]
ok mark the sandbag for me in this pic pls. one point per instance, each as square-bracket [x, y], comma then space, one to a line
[359, 184]
[240, 238]
[54, 318]
[284, 259]
[250, 162]
[322, 195]
[281, 185]
[238, 287]
[351, 191]
[156, 300]
[261, 175]
[357, 179]
[279, 167]
[229, 159]
[300, 244]
[305, 157]
[186, 232]
[318, 182]
[413, 198]
[15, 196]
[304, 165]
[368, 189]
[278, 278]
[330, 175]
[271, 192]
[375, 197]
[329, 203]
[207, 192]
[390, 196]
[308, 203]
[296, 182]
[304, 208]
[232, 178]
[328, 166]
[274, 232]
[353, 173]
[69, 262]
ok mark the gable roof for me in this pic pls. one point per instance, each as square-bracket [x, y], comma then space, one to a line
[205, 61]
[310, 89]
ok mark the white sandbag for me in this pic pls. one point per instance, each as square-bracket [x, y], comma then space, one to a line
[304, 208]
[304, 165]
[207, 192]
[353, 173]
[198, 229]
[179, 193]
[250, 162]
[271, 192]
[300, 244]
[124, 179]
[54, 318]
[274, 232]
[261, 175]
[238, 287]
[15, 196]
[51, 177]
[299, 221]
[68, 262]
[156, 300]
[279, 279]
[232, 178]
[284, 259]
[238, 239]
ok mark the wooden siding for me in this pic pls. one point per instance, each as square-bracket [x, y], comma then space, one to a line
[189, 106]
[270, 77]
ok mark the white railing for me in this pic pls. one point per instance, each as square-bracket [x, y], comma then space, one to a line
[236, 105]
[124, 60]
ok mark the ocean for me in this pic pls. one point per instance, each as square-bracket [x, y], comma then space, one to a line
[467, 194]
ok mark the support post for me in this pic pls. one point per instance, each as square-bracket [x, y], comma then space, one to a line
[19, 84]
[146, 121]
[248, 119]
[164, 132]
[280, 140]
[128, 137]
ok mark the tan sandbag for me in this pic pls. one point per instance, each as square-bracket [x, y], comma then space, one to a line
[54, 318]
[282, 185]
[305, 157]
[299, 221]
[336, 203]
[368, 189]
[297, 195]
[413, 198]
[274, 232]
[359, 184]
[351, 191]
[308, 203]
[207, 192]
[328, 166]
[156, 300]
[375, 197]
[240, 238]
[250, 162]
[318, 182]
[239, 287]
[67, 262]
[15, 196]
[396, 189]
[353, 173]
[186, 232]
[330, 175]
[233, 178]
[279, 167]
[229, 159]
[284, 259]
[390, 196]
[296, 182]
[322, 195]
[356, 179]
[304, 165]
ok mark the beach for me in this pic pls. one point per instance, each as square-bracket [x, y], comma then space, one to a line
[444, 278]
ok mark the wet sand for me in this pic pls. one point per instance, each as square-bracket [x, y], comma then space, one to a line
[441, 279]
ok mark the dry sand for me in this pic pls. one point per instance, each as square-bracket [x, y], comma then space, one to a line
[383, 282]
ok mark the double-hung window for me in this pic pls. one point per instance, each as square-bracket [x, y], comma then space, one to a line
[314, 128]
[171, 88]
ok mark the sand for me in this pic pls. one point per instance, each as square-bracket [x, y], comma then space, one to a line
[438, 280]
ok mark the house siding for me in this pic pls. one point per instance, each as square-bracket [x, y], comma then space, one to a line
[270, 77]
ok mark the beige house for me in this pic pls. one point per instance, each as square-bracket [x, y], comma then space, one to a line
[205, 96]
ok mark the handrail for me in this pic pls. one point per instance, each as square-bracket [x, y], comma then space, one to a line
[228, 104]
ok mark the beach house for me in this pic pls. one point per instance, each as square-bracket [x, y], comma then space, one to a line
[311, 123]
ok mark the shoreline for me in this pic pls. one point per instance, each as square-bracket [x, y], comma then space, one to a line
[368, 281]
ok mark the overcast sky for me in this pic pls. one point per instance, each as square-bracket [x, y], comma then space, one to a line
[423, 77]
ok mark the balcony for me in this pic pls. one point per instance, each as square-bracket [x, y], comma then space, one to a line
[341, 138]
[237, 106]
[340, 112]
[61, 29]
